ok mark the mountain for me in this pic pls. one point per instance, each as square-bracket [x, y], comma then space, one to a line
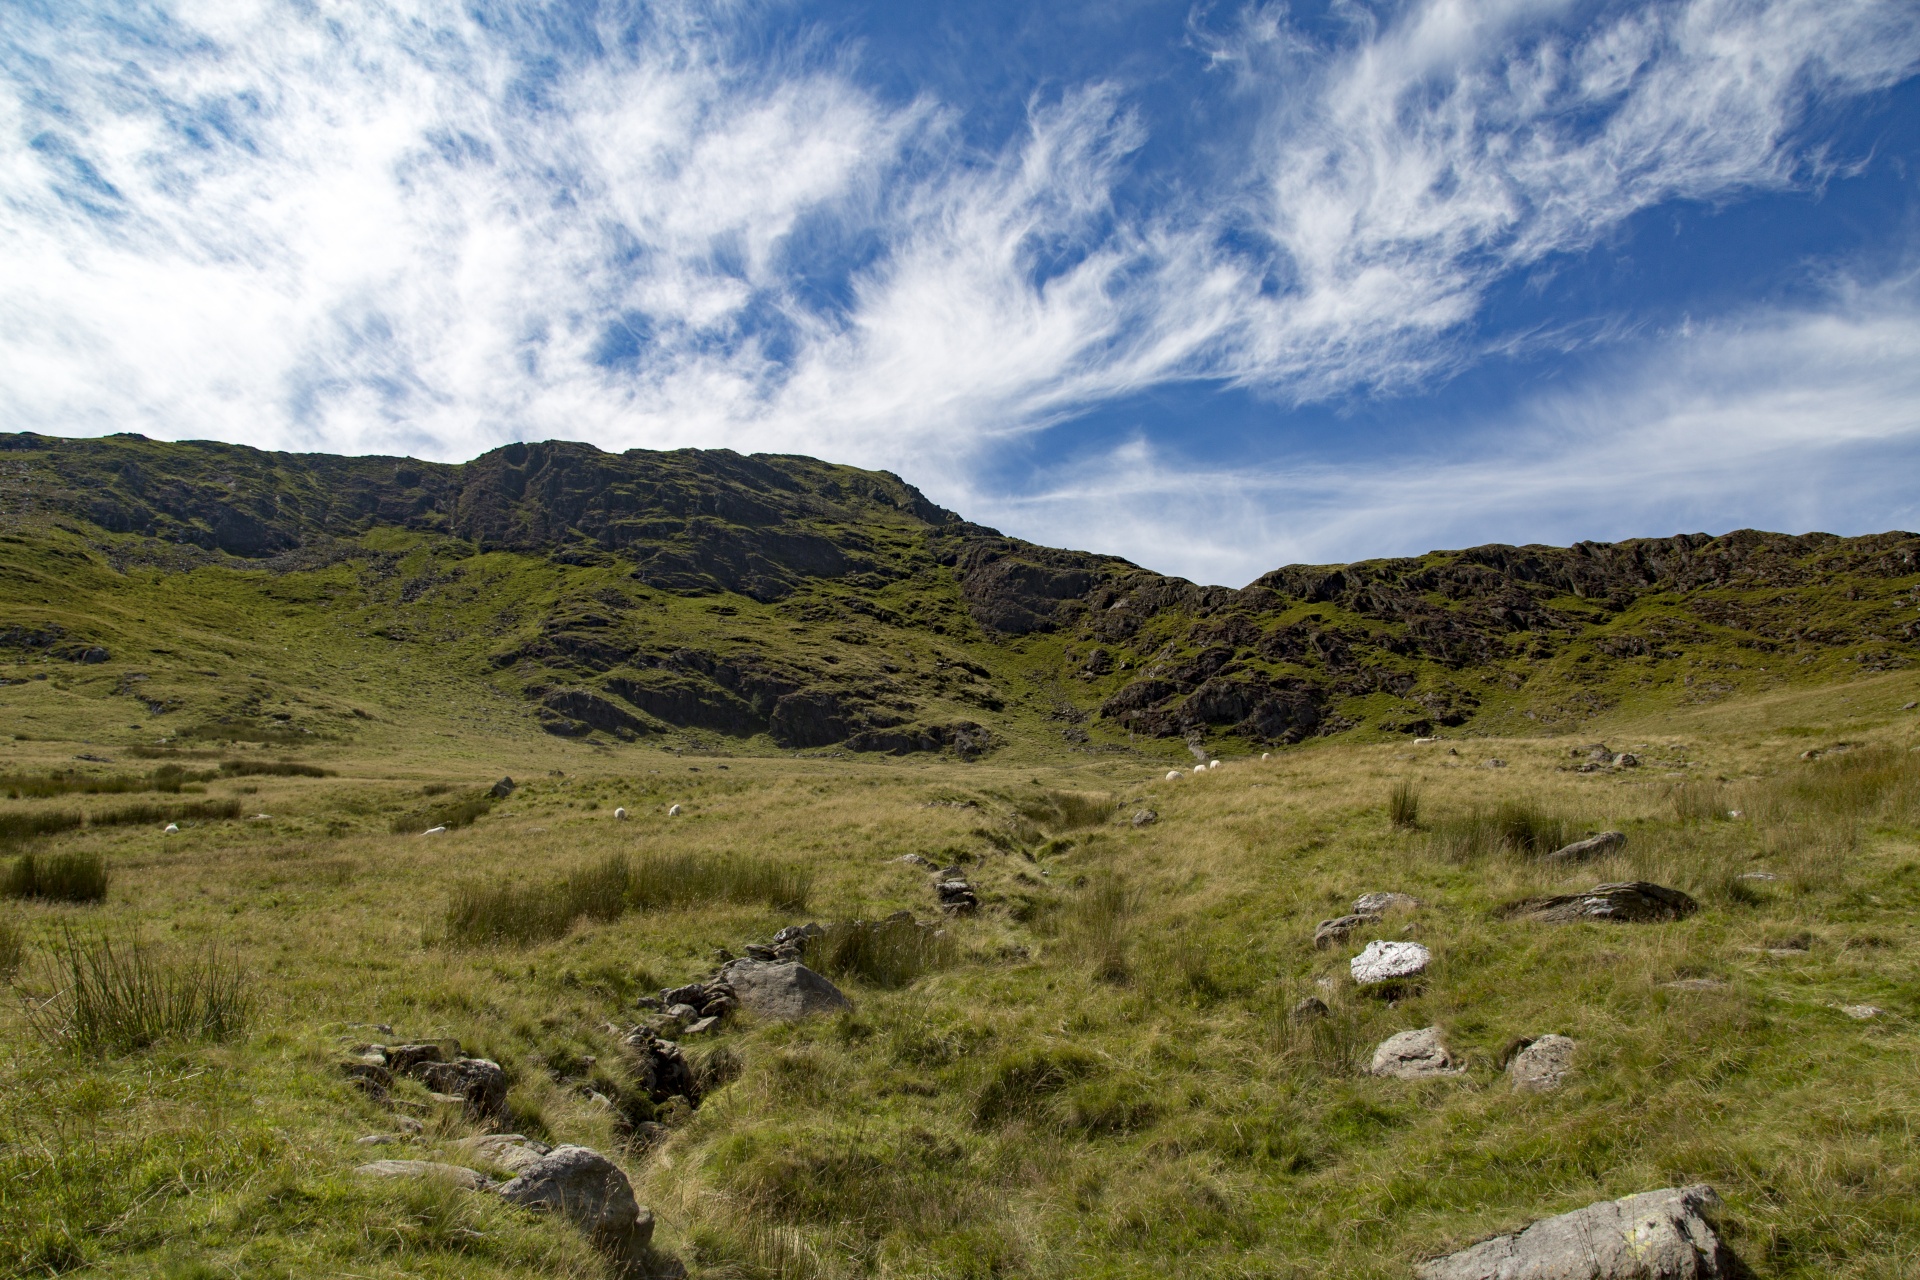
[704, 597]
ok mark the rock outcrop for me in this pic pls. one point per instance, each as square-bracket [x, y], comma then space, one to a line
[591, 1192]
[783, 991]
[1542, 1065]
[1635, 902]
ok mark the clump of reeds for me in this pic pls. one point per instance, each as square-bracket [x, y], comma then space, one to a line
[61, 877]
[1403, 805]
[1512, 828]
[113, 997]
[881, 953]
[15, 827]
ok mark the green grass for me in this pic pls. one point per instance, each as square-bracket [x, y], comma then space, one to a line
[105, 997]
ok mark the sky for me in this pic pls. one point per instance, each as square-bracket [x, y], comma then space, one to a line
[1216, 287]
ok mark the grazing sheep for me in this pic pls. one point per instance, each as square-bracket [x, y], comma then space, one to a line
[434, 831]
[1213, 764]
[619, 815]
[674, 812]
[1266, 755]
[1173, 775]
[172, 827]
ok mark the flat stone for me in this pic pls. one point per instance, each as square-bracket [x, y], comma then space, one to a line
[513, 1152]
[591, 1192]
[1379, 904]
[1145, 818]
[1543, 1065]
[1389, 962]
[1863, 1012]
[785, 991]
[1656, 1235]
[1329, 932]
[467, 1179]
[478, 1082]
[701, 1027]
[1634, 902]
[1414, 1055]
[1592, 847]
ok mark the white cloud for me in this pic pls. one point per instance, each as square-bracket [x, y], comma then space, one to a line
[389, 227]
[1792, 421]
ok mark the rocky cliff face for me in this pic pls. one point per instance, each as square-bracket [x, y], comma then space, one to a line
[875, 620]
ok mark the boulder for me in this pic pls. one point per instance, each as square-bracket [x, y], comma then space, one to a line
[1145, 818]
[1414, 1055]
[1636, 902]
[1591, 847]
[466, 1179]
[478, 1082]
[502, 789]
[403, 1058]
[957, 897]
[1542, 1065]
[1389, 962]
[591, 1192]
[783, 991]
[1656, 1235]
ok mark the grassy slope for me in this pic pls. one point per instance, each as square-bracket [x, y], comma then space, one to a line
[1203, 1130]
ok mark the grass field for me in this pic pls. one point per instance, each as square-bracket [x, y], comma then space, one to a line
[1099, 1076]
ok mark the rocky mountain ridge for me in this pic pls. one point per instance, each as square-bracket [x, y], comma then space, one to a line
[821, 606]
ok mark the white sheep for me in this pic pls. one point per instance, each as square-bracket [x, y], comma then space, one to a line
[619, 815]
[173, 828]
[1174, 775]
[434, 831]
[674, 812]
[1213, 764]
[1266, 755]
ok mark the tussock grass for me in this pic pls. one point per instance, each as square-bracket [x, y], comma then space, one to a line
[1403, 804]
[121, 997]
[15, 827]
[1068, 810]
[1100, 924]
[137, 814]
[272, 769]
[13, 948]
[881, 953]
[456, 813]
[506, 912]
[59, 877]
[1512, 828]
[1025, 1083]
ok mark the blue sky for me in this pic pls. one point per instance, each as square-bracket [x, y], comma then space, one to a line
[1216, 287]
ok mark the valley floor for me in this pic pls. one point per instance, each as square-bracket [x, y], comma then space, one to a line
[1101, 1071]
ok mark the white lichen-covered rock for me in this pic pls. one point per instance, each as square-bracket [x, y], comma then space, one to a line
[513, 1152]
[591, 1192]
[1592, 847]
[1389, 962]
[1414, 1055]
[1656, 1235]
[1378, 904]
[1543, 1065]
[783, 991]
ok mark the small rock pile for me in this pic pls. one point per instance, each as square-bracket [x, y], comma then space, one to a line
[1368, 909]
[478, 1084]
[1600, 758]
[1592, 847]
[957, 897]
[1634, 902]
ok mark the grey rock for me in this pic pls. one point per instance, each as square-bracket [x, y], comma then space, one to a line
[1493, 764]
[785, 992]
[1635, 902]
[403, 1058]
[1145, 818]
[1863, 1012]
[502, 789]
[1592, 847]
[478, 1082]
[1330, 932]
[1309, 1008]
[703, 1026]
[1378, 904]
[377, 1140]
[1389, 962]
[1414, 1055]
[915, 860]
[1542, 1066]
[1656, 1235]
[591, 1192]
[1626, 760]
[511, 1151]
[368, 1075]
[467, 1179]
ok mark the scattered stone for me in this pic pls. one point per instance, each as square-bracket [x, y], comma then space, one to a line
[1389, 962]
[1759, 875]
[915, 860]
[1542, 1065]
[1626, 760]
[957, 897]
[1379, 904]
[1309, 1008]
[376, 1140]
[1908, 706]
[1635, 902]
[1145, 818]
[658, 1066]
[1493, 764]
[478, 1082]
[503, 788]
[1331, 932]
[1592, 847]
[513, 1152]
[466, 1179]
[1597, 753]
[784, 992]
[403, 1058]
[407, 1124]
[1863, 1012]
[1656, 1235]
[1414, 1055]
[369, 1076]
[591, 1192]
[703, 1026]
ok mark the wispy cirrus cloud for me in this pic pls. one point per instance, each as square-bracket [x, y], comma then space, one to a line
[424, 228]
